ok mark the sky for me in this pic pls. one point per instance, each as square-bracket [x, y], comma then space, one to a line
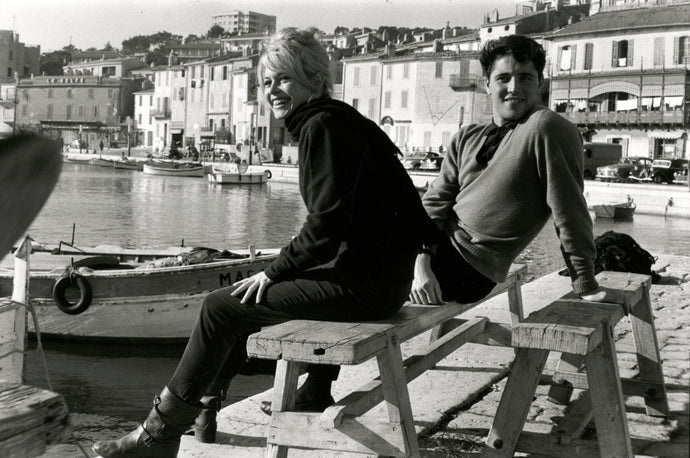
[53, 24]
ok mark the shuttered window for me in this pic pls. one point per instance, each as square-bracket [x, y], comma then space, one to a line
[659, 51]
[589, 55]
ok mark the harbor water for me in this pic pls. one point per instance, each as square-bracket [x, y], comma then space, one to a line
[133, 210]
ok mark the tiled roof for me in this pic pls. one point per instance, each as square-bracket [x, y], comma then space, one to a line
[638, 18]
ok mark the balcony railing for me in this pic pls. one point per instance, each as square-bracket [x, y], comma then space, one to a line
[464, 81]
[162, 114]
[627, 117]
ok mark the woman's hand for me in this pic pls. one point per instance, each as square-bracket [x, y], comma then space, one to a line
[425, 287]
[257, 282]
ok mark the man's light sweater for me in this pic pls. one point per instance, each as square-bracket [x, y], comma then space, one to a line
[492, 213]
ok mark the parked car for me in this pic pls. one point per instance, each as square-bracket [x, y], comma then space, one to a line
[429, 159]
[664, 169]
[627, 168]
[599, 154]
[681, 177]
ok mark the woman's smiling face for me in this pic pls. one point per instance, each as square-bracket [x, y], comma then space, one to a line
[283, 93]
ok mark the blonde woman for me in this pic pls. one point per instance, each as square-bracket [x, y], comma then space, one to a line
[352, 260]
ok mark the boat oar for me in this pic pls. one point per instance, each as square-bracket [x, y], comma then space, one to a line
[29, 168]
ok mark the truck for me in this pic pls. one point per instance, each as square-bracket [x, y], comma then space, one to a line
[598, 154]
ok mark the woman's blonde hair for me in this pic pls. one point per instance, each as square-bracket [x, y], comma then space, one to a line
[299, 55]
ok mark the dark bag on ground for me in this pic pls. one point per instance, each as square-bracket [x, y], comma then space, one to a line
[619, 252]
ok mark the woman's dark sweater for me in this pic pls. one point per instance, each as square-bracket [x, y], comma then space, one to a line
[364, 213]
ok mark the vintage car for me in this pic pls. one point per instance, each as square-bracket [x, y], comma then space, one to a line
[627, 168]
[427, 160]
[663, 170]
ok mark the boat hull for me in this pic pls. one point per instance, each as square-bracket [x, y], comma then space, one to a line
[179, 170]
[237, 178]
[614, 211]
[134, 305]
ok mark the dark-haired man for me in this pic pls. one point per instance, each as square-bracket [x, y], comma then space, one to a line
[500, 183]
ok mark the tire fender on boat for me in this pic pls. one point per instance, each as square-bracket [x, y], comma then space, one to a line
[268, 173]
[85, 294]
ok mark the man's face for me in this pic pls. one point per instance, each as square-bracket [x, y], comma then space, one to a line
[513, 87]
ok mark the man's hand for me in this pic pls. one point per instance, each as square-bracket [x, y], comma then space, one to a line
[604, 294]
[425, 287]
[257, 282]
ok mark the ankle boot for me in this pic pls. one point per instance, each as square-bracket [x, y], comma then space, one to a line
[158, 436]
[205, 425]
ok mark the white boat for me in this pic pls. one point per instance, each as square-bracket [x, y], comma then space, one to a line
[173, 168]
[128, 164]
[220, 176]
[101, 298]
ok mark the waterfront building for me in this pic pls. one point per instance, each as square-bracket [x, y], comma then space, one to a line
[144, 125]
[245, 43]
[169, 96]
[418, 99]
[7, 101]
[622, 76]
[112, 68]
[196, 50]
[17, 60]
[76, 107]
[242, 22]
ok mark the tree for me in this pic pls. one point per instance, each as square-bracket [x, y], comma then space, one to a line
[191, 38]
[51, 63]
[341, 31]
[215, 31]
[108, 47]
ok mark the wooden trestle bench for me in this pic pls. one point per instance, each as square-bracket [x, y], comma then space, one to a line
[342, 426]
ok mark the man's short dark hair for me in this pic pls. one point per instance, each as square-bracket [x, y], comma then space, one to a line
[522, 48]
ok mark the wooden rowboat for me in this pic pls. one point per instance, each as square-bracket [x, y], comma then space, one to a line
[621, 211]
[128, 164]
[102, 298]
[171, 168]
[219, 176]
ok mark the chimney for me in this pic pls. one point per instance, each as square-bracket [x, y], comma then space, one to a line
[390, 49]
[494, 16]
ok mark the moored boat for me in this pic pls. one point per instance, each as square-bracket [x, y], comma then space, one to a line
[172, 168]
[220, 176]
[101, 298]
[128, 164]
[623, 210]
[101, 162]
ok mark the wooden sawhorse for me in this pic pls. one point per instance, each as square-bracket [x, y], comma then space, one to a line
[342, 426]
[583, 329]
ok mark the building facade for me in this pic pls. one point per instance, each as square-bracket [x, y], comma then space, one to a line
[110, 68]
[143, 115]
[89, 109]
[17, 60]
[245, 22]
[623, 76]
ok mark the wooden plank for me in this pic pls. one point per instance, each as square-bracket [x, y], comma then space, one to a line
[539, 444]
[284, 388]
[369, 395]
[607, 398]
[359, 435]
[576, 419]
[567, 326]
[395, 395]
[648, 358]
[515, 402]
[353, 343]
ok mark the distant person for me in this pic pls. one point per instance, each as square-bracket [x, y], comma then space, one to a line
[499, 184]
[352, 259]
[100, 146]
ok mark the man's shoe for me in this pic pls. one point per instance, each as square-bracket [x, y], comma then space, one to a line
[206, 425]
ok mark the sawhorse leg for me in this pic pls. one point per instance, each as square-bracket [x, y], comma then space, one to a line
[284, 388]
[515, 402]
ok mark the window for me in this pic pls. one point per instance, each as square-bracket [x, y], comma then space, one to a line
[95, 111]
[589, 55]
[151, 98]
[213, 73]
[659, 51]
[110, 93]
[225, 72]
[566, 60]
[622, 53]
[387, 99]
[406, 70]
[91, 93]
[403, 99]
[141, 100]
[49, 114]
[69, 92]
[212, 101]
[140, 118]
[9, 72]
[681, 50]
[373, 76]
[372, 108]
[355, 104]
[439, 69]
[68, 112]
[389, 72]
[81, 111]
[50, 93]
[150, 118]
[356, 77]
[193, 73]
